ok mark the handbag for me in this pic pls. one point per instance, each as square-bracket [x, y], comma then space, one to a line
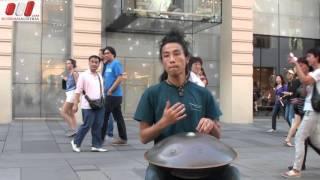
[64, 84]
[315, 99]
[95, 104]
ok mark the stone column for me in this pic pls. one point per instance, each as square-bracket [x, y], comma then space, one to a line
[236, 61]
[86, 32]
[6, 31]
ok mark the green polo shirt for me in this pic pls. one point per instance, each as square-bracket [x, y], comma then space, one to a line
[198, 101]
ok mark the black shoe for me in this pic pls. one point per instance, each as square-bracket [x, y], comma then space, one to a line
[291, 167]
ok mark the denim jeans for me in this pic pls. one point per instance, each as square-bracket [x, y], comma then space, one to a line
[110, 126]
[227, 173]
[289, 113]
[91, 119]
[309, 127]
[275, 112]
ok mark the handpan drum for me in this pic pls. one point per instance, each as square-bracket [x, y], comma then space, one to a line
[191, 155]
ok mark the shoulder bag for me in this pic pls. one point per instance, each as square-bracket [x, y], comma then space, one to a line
[95, 104]
[315, 99]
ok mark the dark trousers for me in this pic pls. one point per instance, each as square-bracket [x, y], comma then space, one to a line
[113, 105]
[308, 142]
[91, 119]
[275, 112]
[226, 173]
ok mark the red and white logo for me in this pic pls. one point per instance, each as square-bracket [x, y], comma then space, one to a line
[20, 10]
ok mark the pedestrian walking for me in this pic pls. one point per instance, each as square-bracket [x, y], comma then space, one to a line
[66, 110]
[90, 85]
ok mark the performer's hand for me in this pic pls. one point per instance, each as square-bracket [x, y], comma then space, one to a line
[173, 114]
[208, 126]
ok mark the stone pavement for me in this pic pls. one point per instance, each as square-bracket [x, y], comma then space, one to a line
[38, 150]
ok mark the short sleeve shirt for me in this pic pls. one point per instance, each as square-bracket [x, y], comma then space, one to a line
[198, 101]
[90, 83]
[112, 71]
[316, 76]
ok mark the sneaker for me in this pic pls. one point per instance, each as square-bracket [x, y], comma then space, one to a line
[75, 148]
[291, 174]
[271, 131]
[94, 149]
[71, 133]
[119, 141]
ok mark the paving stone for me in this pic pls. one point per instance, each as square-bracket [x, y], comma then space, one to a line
[123, 174]
[39, 150]
[96, 175]
[10, 174]
[39, 147]
[84, 168]
[31, 163]
[53, 173]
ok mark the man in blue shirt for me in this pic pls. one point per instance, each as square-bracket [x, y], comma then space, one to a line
[112, 75]
[110, 122]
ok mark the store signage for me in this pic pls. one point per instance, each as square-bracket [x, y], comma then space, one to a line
[20, 10]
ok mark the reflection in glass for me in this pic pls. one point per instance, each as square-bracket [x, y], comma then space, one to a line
[52, 99]
[139, 72]
[211, 69]
[132, 97]
[157, 16]
[28, 36]
[158, 71]
[56, 39]
[287, 18]
[56, 11]
[27, 68]
[206, 45]
[177, 9]
[215, 92]
[26, 100]
[39, 60]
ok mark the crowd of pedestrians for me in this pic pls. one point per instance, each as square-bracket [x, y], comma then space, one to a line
[298, 100]
[99, 92]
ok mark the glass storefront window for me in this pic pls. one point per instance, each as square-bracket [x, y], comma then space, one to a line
[293, 18]
[194, 9]
[39, 54]
[157, 16]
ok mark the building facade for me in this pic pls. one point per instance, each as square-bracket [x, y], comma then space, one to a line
[32, 55]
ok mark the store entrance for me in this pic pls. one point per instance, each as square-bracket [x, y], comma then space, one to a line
[263, 80]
